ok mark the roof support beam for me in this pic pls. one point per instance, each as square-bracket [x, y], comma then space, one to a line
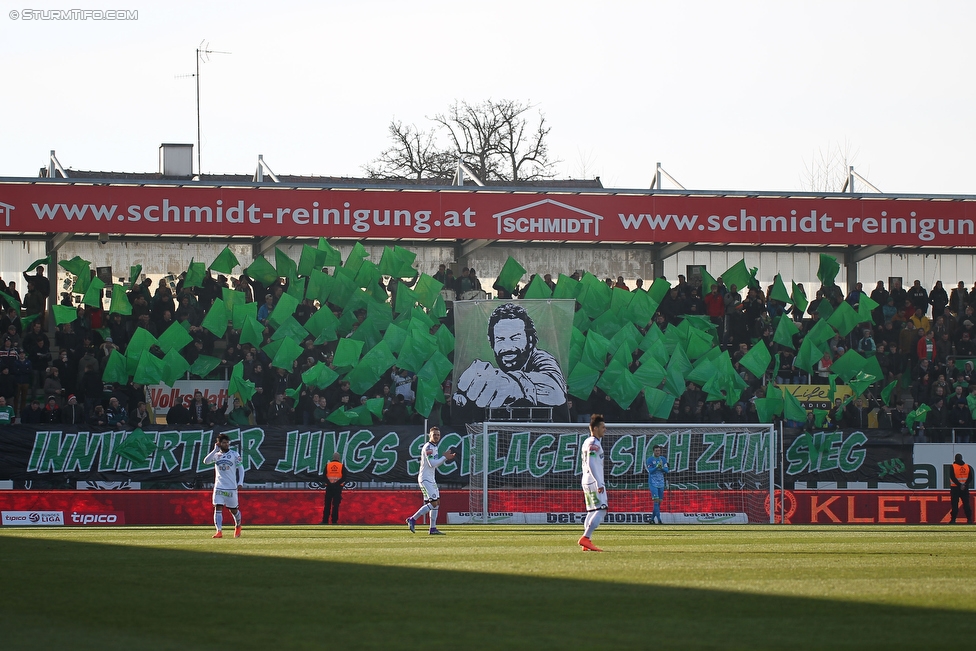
[265, 244]
[854, 255]
[56, 242]
[469, 247]
[663, 253]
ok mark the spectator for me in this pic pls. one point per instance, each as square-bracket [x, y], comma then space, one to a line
[33, 415]
[73, 413]
[279, 412]
[6, 412]
[140, 416]
[116, 414]
[98, 418]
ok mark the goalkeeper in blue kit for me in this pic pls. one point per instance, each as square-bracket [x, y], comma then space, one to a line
[657, 468]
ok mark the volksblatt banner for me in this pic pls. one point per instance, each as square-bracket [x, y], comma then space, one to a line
[58, 207]
[390, 454]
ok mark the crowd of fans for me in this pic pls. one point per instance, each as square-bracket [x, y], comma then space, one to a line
[922, 338]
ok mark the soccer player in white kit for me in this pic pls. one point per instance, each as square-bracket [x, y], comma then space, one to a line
[428, 486]
[229, 470]
[594, 488]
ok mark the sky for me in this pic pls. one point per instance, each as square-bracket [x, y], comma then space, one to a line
[727, 95]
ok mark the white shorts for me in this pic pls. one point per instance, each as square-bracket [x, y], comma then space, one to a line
[593, 498]
[429, 489]
[228, 498]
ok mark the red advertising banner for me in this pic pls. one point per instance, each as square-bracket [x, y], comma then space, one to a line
[869, 507]
[54, 207]
[265, 507]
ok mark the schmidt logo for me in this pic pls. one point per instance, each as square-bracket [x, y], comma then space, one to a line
[5, 210]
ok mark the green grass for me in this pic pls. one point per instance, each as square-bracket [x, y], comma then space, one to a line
[504, 587]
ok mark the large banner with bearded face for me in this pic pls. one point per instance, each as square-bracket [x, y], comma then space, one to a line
[511, 359]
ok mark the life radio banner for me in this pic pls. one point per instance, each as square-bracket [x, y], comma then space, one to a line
[453, 214]
[90, 519]
[32, 518]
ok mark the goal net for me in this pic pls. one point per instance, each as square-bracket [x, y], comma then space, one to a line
[529, 473]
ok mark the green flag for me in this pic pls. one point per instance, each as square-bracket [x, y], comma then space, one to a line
[659, 403]
[284, 266]
[581, 381]
[323, 324]
[76, 265]
[779, 292]
[757, 360]
[37, 263]
[134, 272]
[799, 298]
[292, 329]
[319, 376]
[792, 409]
[849, 365]
[120, 302]
[347, 353]
[785, 330]
[216, 319]
[331, 257]
[252, 332]
[566, 287]
[137, 447]
[284, 309]
[738, 275]
[286, 355]
[64, 314]
[889, 390]
[371, 368]
[149, 370]
[195, 274]
[538, 288]
[658, 290]
[844, 318]
[10, 301]
[174, 338]
[262, 271]
[428, 290]
[203, 365]
[242, 312]
[93, 297]
[510, 274]
[174, 367]
[225, 262]
[115, 369]
[767, 408]
[828, 269]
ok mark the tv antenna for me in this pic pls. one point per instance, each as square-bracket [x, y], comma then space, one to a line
[203, 54]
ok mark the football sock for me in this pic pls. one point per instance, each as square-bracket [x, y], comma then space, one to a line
[219, 519]
[593, 521]
[433, 518]
[423, 510]
[657, 509]
[238, 519]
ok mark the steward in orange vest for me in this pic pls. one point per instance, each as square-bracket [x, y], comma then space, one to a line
[335, 481]
[960, 481]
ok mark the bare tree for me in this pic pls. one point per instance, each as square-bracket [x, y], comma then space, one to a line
[413, 154]
[495, 139]
[827, 170]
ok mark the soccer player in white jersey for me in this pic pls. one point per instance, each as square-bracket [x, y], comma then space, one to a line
[428, 486]
[594, 488]
[229, 470]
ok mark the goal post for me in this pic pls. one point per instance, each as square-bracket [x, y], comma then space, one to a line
[529, 473]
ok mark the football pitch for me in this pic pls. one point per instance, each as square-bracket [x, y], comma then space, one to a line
[501, 587]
